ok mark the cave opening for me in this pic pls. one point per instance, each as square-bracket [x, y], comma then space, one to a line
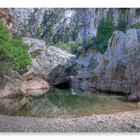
[63, 85]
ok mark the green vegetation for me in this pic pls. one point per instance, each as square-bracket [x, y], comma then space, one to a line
[136, 25]
[106, 28]
[39, 31]
[66, 37]
[137, 11]
[74, 47]
[121, 22]
[93, 63]
[34, 54]
[100, 42]
[104, 32]
[14, 49]
[47, 29]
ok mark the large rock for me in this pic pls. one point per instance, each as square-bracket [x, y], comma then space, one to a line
[10, 81]
[119, 69]
[53, 64]
[34, 87]
[35, 45]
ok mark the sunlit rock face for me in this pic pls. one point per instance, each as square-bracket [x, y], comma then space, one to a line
[34, 87]
[53, 64]
[33, 21]
[119, 68]
[10, 81]
[43, 23]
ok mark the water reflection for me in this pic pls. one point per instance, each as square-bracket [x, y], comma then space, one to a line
[64, 103]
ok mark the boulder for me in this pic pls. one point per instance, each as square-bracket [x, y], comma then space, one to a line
[10, 81]
[36, 45]
[53, 64]
[118, 71]
[34, 87]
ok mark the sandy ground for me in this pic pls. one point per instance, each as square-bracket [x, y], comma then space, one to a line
[117, 122]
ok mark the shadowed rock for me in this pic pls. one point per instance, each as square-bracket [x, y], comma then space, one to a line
[53, 64]
[119, 68]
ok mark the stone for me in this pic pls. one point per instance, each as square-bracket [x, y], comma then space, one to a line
[36, 45]
[32, 22]
[89, 59]
[28, 75]
[86, 63]
[118, 71]
[82, 80]
[52, 64]
[10, 82]
[34, 87]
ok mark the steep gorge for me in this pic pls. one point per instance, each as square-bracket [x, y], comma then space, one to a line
[116, 70]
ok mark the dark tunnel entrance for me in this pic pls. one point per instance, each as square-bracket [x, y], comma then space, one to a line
[63, 85]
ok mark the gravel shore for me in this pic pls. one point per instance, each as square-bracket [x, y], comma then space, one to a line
[117, 122]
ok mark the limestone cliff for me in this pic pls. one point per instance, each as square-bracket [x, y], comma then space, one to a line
[118, 71]
[45, 22]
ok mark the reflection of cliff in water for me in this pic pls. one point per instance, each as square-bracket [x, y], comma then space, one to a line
[64, 103]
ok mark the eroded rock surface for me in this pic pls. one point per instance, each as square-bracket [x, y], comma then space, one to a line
[53, 64]
[34, 87]
[119, 68]
[10, 81]
[86, 64]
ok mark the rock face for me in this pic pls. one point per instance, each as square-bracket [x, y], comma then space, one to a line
[89, 59]
[34, 22]
[34, 87]
[53, 64]
[6, 16]
[10, 82]
[119, 68]
[86, 63]
[82, 80]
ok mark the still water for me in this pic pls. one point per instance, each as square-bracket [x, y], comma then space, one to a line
[62, 103]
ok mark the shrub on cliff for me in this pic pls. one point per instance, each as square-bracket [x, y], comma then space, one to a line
[136, 25]
[104, 32]
[14, 49]
[121, 25]
[74, 47]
